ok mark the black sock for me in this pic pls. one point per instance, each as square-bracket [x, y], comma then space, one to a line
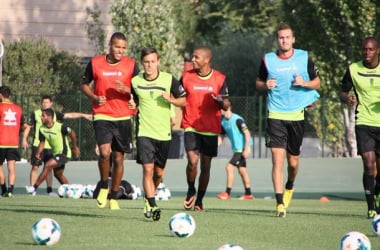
[3, 188]
[35, 187]
[248, 191]
[228, 190]
[369, 186]
[191, 187]
[279, 198]
[49, 190]
[10, 189]
[377, 186]
[113, 195]
[200, 195]
[152, 201]
[289, 185]
[104, 184]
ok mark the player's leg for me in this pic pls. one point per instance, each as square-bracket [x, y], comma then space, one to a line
[192, 153]
[58, 174]
[208, 150]
[229, 182]
[3, 184]
[242, 169]
[48, 166]
[47, 154]
[11, 165]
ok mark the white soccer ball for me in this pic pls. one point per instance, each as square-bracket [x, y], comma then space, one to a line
[46, 231]
[74, 191]
[163, 194]
[376, 225]
[62, 190]
[230, 246]
[355, 240]
[182, 225]
[88, 191]
[136, 192]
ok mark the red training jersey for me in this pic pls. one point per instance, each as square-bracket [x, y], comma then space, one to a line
[11, 119]
[105, 76]
[201, 112]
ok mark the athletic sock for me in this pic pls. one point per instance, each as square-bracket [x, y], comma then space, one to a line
[289, 185]
[152, 201]
[191, 186]
[248, 191]
[10, 189]
[200, 195]
[228, 190]
[369, 186]
[377, 186]
[279, 198]
[49, 190]
[104, 184]
[3, 188]
[113, 195]
[35, 187]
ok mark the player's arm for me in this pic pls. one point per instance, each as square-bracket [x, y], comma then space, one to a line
[347, 85]
[314, 83]
[222, 98]
[177, 95]
[261, 84]
[86, 89]
[74, 141]
[76, 115]
[247, 137]
[27, 127]
[41, 146]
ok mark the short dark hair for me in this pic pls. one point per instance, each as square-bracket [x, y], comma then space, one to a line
[49, 112]
[117, 35]
[284, 26]
[44, 97]
[371, 38]
[5, 91]
[148, 51]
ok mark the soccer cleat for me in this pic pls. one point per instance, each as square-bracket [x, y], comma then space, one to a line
[247, 197]
[189, 201]
[280, 211]
[371, 214]
[102, 198]
[114, 204]
[147, 209]
[156, 213]
[377, 201]
[223, 196]
[287, 197]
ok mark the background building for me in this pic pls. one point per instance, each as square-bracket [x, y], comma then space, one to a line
[62, 22]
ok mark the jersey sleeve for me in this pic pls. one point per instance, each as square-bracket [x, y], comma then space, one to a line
[312, 70]
[88, 76]
[60, 116]
[241, 124]
[41, 137]
[347, 81]
[224, 89]
[32, 119]
[177, 89]
[65, 129]
[263, 71]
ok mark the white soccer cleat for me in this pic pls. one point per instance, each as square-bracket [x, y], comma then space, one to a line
[30, 190]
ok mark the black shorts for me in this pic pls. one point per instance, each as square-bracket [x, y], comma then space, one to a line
[45, 156]
[285, 134]
[61, 160]
[238, 160]
[117, 133]
[205, 144]
[367, 139]
[152, 151]
[9, 154]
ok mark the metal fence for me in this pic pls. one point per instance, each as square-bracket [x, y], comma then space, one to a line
[252, 108]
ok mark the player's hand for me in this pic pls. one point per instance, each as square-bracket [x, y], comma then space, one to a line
[166, 96]
[76, 151]
[122, 88]
[25, 145]
[271, 83]
[101, 100]
[131, 103]
[298, 81]
[351, 100]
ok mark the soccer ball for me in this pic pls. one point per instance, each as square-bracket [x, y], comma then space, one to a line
[182, 225]
[46, 231]
[162, 193]
[136, 192]
[62, 190]
[355, 240]
[74, 191]
[376, 225]
[88, 191]
[230, 246]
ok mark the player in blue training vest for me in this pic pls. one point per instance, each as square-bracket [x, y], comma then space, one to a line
[235, 127]
[290, 79]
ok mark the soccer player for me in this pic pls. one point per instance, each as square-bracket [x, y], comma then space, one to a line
[56, 134]
[207, 94]
[290, 79]
[11, 123]
[364, 78]
[156, 91]
[235, 127]
[111, 75]
[35, 123]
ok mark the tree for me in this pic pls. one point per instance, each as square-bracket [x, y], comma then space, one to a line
[149, 23]
[95, 30]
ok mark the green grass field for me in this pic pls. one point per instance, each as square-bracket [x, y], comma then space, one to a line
[309, 224]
